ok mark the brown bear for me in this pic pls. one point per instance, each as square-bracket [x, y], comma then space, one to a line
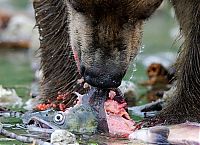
[105, 36]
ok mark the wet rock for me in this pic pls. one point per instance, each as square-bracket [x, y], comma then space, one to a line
[63, 137]
[9, 97]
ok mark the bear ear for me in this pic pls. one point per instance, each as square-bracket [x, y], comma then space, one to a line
[144, 8]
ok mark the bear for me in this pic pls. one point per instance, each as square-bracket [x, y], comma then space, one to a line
[104, 36]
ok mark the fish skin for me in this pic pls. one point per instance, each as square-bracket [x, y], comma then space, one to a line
[187, 133]
[88, 116]
[82, 118]
[79, 119]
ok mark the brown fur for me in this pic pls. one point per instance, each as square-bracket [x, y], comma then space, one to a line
[185, 105]
[157, 75]
[59, 68]
[4, 19]
[106, 35]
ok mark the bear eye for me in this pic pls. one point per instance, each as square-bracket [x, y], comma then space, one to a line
[59, 118]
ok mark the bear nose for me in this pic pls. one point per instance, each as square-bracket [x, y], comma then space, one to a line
[98, 77]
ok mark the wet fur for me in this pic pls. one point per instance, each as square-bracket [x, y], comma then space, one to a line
[106, 34]
[185, 105]
[52, 17]
[60, 73]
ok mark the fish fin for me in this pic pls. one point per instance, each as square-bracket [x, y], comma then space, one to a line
[159, 135]
[162, 130]
[160, 140]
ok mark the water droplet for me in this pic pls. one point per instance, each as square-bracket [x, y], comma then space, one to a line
[41, 38]
[142, 48]
[134, 69]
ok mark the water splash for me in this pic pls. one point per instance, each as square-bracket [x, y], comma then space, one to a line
[134, 69]
[133, 63]
[141, 48]
[41, 38]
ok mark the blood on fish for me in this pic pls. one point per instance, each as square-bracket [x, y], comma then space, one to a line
[107, 109]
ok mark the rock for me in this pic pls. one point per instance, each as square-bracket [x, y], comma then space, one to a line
[63, 137]
[9, 97]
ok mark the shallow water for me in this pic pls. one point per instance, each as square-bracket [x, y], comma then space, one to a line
[83, 139]
[105, 140]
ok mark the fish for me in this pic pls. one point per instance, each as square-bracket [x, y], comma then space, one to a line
[88, 116]
[98, 111]
[187, 133]
[78, 119]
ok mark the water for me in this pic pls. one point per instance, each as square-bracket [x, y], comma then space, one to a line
[41, 38]
[141, 48]
[134, 69]
[83, 139]
[133, 63]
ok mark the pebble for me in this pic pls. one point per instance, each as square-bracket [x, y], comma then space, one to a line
[63, 137]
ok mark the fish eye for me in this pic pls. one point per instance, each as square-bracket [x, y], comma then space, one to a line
[59, 118]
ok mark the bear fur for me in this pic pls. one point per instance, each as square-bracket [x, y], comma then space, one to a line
[105, 36]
